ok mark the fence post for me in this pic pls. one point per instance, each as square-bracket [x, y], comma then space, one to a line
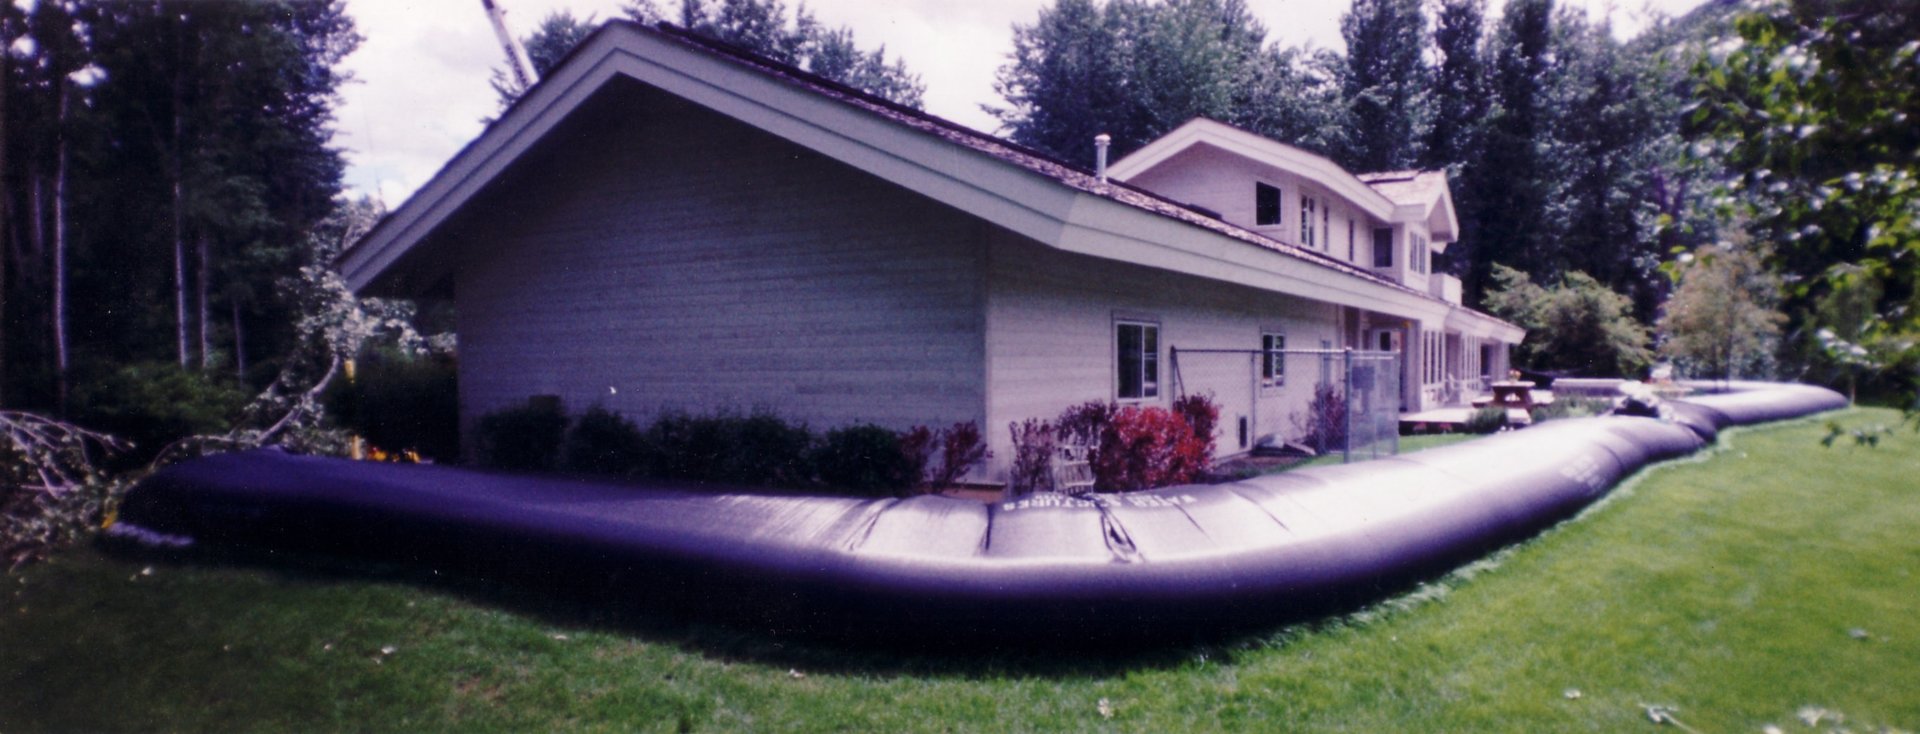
[1347, 378]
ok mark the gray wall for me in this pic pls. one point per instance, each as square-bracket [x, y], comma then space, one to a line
[681, 260]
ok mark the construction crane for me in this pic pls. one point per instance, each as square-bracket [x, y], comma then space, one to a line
[517, 60]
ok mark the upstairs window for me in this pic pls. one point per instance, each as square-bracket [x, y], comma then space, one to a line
[1306, 221]
[1266, 205]
[1138, 359]
[1273, 359]
[1383, 247]
[1417, 253]
[1350, 250]
[1326, 228]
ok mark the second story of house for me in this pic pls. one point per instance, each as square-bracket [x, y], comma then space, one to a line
[1392, 223]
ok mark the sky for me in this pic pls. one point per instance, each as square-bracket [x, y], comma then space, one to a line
[421, 88]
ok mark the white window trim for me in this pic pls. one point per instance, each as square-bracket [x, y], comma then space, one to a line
[1309, 206]
[1277, 381]
[1280, 217]
[1160, 371]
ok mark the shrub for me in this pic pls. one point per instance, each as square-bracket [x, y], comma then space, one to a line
[523, 439]
[764, 450]
[1487, 420]
[1203, 416]
[865, 459]
[1085, 424]
[961, 447]
[1325, 425]
[153, 404]
[917, 445]
[681, 446]
[603, 442]
[1137, 447]
[398, 402]
[1034, 441]
[758, 450]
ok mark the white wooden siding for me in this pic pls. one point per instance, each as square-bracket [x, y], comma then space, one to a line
[1050, 334]
[691, 262]
[1209, 177]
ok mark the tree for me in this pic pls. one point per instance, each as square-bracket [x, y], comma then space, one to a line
[1511, 185]
[1063, 82]
[1577, 326]
[550, 42]
[1812, 106]
[764, 27]
[1135, 70]
[1720, 321]
[1459, 99]
[1384, 84]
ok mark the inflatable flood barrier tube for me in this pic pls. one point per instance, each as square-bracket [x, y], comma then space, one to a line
[1166, 564]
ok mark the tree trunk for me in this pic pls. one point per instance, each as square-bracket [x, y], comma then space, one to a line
[6, 215]
[60, 357]
[179, 223]
[239, 343]
[203, 252]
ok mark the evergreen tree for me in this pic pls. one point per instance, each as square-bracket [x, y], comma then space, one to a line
[1511, 185]
[550, 42]
[1459, 100]
[1385, 83]
[766, 28]
[1064, 82]
[1135, 70]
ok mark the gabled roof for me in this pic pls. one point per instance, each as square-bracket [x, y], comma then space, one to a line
[1400, 196]
[1053, 202]
[1423, 194]
[1260, 149]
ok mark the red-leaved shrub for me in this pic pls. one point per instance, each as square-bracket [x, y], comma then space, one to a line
[916, 446]
[1136, 447]
[961, 447]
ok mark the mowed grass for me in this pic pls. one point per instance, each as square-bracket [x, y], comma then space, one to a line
[1769, 579]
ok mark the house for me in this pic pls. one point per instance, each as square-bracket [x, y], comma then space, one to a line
[666, 222]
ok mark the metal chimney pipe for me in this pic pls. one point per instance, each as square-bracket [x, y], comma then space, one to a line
[1100, 143]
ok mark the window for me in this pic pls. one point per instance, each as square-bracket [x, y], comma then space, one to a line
[1417, 253]
[1273, 359]
[1306, 221]
[1383, 247]
[1266, 205]
[1138, 359]
[1326, 228]
[1350, 251]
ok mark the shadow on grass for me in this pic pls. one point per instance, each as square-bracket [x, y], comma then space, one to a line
[731, 635]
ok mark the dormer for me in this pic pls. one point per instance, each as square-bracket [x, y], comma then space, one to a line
[1392, 223]
[1424, 224]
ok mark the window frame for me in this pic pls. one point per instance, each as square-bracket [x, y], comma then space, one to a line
[1148, 359]
[1352, 253]
[1260, 188]
[1308, 207]
[1383, 256]
[1273, 359]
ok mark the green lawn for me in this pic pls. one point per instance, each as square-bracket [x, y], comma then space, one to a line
[1768, 579]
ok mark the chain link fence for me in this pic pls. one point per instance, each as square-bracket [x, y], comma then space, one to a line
[1327, 400]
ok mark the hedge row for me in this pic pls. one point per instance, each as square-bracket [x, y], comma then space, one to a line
[759, 449]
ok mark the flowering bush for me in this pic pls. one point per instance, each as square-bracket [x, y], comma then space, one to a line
[1134, 447]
